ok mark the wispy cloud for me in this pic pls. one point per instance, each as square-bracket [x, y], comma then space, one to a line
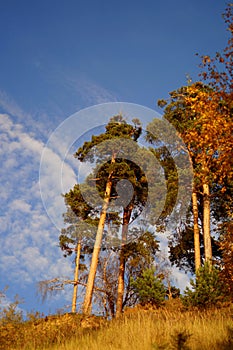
[28, 239]
[10, 106]
[73, 90]
[91, 92]
[35, 122]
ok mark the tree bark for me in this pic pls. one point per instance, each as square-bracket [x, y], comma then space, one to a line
[197, 251]
[75, 289]
[97, 246]
[121, 275]
[206, 223]
[108, 298]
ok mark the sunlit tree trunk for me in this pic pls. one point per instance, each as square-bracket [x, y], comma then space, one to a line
[76, 271]
[97, 246]
[197, 250]
[121, 275]
[206, 223]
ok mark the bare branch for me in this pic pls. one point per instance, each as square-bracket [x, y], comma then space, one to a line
[50, 287]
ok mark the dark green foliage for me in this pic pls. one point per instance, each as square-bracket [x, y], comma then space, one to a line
[99, 151]
[181, 248]
[226, 246]
[74, 200]
[181, 243]
[126, 170]
[149, 288]
[174, 292]
[115, 129]
[180, 114]
[141, 252]
[207, 290]
[76, 232]
[167, 162]
[139, 256]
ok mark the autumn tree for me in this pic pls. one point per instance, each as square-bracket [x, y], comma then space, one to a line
[202, 114]
[196, 112]
[217, 71]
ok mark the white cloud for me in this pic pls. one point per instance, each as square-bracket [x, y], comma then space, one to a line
[182, 279]
[179, 278]
[43, 122]
[21, 205]
[28, 239]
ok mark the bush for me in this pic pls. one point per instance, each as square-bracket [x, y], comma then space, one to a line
[10, 312]
[149, 288]
[207, 290]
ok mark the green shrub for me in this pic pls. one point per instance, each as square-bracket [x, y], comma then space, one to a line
[207, 290]
[149, 288]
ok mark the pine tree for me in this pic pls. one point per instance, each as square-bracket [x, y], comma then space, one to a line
[207, 290]
[149, 288]
[111, 144]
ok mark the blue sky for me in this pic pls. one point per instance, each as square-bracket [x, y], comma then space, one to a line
[58, 57]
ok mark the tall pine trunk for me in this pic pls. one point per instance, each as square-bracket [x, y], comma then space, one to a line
[75, 289]
[121, 274]
[206, 223]
[97, 246]
[197, 251]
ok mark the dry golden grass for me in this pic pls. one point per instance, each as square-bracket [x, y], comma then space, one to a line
[167, 328]
[147, 330]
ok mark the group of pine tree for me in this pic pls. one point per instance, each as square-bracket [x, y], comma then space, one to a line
[115, 245]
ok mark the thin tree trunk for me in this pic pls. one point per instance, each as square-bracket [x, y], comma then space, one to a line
[197, 251]
[97, 246]
[206, 223]
[169, 288]
[121, 275]
[108, 297]
[121, 284]
[75, 290]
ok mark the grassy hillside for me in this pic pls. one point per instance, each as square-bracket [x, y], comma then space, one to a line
[138, 329]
